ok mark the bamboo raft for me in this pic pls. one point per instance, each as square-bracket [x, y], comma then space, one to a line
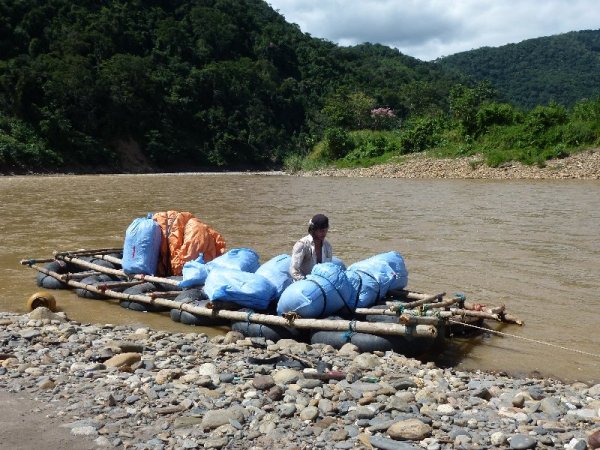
[412, 314]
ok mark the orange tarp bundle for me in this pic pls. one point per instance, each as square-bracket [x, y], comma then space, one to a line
[184, 237]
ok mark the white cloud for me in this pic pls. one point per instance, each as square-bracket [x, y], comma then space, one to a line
[427, 29]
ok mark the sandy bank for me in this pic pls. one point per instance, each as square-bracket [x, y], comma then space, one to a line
[582, 166]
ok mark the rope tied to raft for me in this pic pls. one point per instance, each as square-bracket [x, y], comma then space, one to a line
[290, 317]
[398, 308]
[248, 315]
[351, 330]
[461, 298]
[535, 341]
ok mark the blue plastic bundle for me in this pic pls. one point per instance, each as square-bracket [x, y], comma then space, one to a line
[381, 273]
[141, 246]
[371, 282]
[195, 272]
[339, 262]
[325, 291]
[244, 259]
[396, 262]
[244, 288]
[277, 271]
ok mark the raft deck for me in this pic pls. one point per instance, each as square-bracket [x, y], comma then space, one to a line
[410, 313]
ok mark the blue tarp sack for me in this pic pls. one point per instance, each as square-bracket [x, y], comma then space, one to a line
[325, 291]
[378, 269]
[244, 259]
[141, 246]
[369, 282]
[339, 262]
[244, 288]
[396, 262]
[194, 272]
[277, 271]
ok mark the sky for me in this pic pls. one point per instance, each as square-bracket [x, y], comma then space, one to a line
[428, 29]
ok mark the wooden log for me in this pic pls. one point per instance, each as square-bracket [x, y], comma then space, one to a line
[422, 301]
[28, 262]
[395, 309]
[116, 272]
[78, 275]
[118, 284]
[86, 252]
[409, 319]
[424, 331]
[110, 259]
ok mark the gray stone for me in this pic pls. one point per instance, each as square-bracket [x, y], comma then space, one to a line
[390, 444]
[43, 313]
[309, 383]
[309, 413]
[276, 393]
[127, 346]
[130, 400]
[84, 431]
[286, 410]
[226, 377]
[498, 438]
[215, 418]
[30, 333]
[188, 443]
[186, 422]
[123, 360]
[552, 407]
[402, 385]
[594, 391]
[367, 361]
[103, 441]
[364, 412]
[286, 376]
[522, 441]
[536, 393]
[410, 430]
[216, 443]
[263, 382]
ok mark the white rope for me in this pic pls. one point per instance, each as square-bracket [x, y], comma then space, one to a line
[549, 344]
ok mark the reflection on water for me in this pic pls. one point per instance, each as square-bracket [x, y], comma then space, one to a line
[533, 246]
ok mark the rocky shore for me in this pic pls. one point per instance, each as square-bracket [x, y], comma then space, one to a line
[581, 166]
[116, 387]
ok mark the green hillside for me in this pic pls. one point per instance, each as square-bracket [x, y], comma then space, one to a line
[564, 68]
[115, 85]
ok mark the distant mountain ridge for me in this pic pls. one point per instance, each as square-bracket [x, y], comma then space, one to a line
[563, 68]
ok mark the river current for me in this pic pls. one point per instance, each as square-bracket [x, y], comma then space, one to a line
[531, 245]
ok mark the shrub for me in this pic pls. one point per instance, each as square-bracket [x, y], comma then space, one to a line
[494, 114]
[339, 143]
[542, 118]
[420, 134]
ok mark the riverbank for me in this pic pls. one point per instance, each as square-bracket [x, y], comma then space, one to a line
[119, 387]
[580, 166]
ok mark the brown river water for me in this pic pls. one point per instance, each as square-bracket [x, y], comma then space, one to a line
[531, 245]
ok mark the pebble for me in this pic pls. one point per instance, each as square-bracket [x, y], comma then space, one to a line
[521, 441]
[143, 388]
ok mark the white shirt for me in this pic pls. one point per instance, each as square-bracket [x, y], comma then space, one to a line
[304, 256]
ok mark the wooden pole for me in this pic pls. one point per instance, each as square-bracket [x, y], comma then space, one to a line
[424, 331]
[116, 272]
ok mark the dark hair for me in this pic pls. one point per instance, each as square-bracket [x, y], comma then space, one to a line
[318, 222]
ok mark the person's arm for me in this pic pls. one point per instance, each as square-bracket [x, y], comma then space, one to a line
[296, 263]
[327, 251]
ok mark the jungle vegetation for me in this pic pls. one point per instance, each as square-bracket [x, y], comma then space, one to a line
[168, 85]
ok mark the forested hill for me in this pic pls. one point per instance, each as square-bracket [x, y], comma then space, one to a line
[138, 85]
[564, 68]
